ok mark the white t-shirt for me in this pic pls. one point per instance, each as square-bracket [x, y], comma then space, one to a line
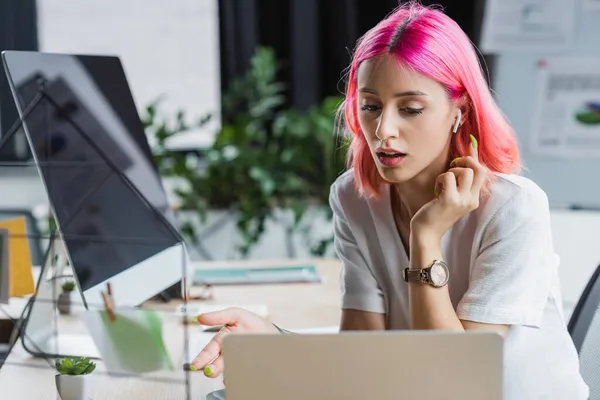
[503, 270]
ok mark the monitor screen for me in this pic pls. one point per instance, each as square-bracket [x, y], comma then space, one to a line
[91, 150]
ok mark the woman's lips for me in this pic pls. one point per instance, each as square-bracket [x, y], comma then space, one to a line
[390, 157]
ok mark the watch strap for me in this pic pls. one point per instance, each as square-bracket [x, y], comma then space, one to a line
[413, 275]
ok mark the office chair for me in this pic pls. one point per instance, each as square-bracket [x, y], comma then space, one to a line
[584, 327]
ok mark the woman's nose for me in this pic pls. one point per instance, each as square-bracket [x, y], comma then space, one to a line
[387, 126]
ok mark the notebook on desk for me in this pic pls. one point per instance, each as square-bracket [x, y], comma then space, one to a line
[244, 276]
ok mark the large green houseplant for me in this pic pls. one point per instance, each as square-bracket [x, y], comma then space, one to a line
[266, 157]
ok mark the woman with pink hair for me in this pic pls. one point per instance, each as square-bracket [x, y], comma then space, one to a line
[433, 225]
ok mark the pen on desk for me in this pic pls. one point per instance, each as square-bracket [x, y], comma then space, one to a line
[212, 329]
[107, 306]
[108, 303]
[184, 289]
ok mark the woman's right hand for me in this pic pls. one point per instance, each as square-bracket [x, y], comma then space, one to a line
[235, 320]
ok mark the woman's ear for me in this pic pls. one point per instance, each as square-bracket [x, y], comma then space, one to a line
[458, 120]
[463, 106]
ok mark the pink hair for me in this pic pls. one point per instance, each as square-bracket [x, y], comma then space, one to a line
[432, 44]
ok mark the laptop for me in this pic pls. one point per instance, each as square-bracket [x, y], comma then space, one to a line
[390, 365]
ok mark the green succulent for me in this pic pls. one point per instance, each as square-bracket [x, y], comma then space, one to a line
[68, 286]
[75, 366]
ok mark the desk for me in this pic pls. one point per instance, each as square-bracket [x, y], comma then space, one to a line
[294, 306]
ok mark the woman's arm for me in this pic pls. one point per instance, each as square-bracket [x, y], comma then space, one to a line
[431, 307]
[357, 320]
[457, 194]
[363, 304]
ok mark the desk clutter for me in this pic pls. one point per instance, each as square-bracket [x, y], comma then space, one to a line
[131, 340]
[317, 306]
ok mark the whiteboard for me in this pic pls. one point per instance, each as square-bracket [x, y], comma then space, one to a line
[569, 180]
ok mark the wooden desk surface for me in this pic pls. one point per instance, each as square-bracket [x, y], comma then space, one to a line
[294, 306]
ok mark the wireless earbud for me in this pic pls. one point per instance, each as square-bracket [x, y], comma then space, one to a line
[457, 124]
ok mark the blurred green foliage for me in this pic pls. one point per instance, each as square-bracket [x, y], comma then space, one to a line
[265, 156]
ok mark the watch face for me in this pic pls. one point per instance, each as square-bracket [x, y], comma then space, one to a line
[439, 274]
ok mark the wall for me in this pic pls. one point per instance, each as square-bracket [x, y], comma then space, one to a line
[565, 171]
[168, 48]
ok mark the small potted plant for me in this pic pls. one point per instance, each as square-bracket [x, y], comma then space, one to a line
[64, 299]
[72, 380]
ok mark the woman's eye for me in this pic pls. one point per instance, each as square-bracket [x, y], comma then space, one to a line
[412, 111]
[370, 108]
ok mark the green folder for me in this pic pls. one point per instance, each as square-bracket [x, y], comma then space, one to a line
[138, 342]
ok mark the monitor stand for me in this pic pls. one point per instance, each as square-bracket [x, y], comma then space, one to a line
[40, 334]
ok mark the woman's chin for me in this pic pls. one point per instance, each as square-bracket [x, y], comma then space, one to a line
[395, 174]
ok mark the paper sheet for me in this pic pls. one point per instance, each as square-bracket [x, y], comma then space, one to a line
[566, 117]
[133, 343]
[528, 25]
[21, 275]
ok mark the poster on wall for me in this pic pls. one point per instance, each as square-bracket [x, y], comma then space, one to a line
[566, 117]
[528, 25]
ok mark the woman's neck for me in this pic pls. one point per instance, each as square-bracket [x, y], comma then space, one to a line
[412, 197]
[417, 192]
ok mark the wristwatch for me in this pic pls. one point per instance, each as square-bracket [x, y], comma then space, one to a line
[436, 274]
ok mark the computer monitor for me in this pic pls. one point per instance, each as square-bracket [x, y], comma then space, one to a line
[106, 194]
[111, 210]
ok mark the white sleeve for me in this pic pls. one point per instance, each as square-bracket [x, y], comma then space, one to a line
[513, 272]
[359, 287]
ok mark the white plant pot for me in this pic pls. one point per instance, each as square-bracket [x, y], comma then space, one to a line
[64, 303]
[73, 387]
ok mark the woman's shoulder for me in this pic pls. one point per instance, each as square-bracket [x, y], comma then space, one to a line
[344, 196]
[344, 184]
[344, 189]
[519, 188]
[513, 196]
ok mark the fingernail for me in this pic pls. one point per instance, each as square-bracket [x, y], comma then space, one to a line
[198, 317]
[436, 191]
[193, 368]
[453, 161]
[473, 141]
[207, 371]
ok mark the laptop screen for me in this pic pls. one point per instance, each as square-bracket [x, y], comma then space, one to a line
[96, 164]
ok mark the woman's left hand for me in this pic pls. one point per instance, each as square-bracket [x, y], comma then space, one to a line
[457, 194]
